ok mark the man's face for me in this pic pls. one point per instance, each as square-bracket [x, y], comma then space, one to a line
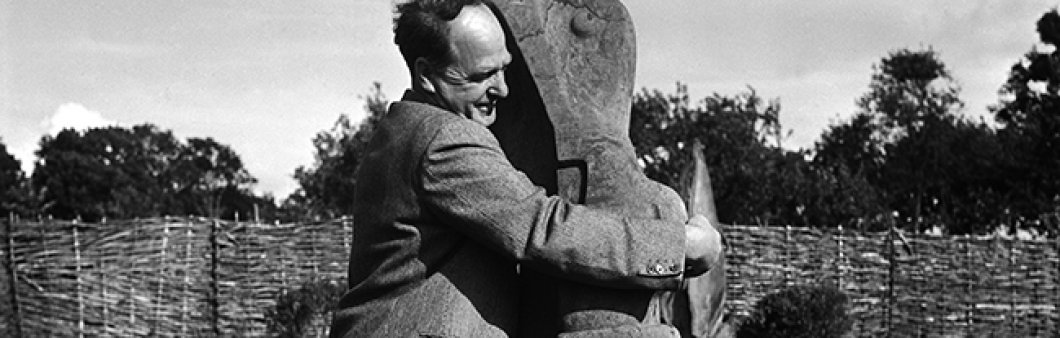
[473, 83]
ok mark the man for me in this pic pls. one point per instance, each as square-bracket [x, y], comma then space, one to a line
[442, 218]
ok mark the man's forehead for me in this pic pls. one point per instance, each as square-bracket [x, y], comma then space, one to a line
[475, 17]
[477, 40]
[475, 23]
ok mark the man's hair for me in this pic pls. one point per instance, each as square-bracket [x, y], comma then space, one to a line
[421, 29]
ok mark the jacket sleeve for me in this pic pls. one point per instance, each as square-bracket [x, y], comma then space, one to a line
[468, 183]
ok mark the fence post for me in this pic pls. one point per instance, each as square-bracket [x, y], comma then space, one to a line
[13, 273]
[187, 280]
[892, 269]
[346, 227]
[1011, 282]
[159, 303]
[839, 257]
[215, 296]
[969, 308]
[134, 234]
[787, 254]
[314, 257]
[103, 294]
[244, 269]
[77, 278]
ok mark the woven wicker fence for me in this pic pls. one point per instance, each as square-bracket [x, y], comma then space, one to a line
[169, 277]
[204, 277]
[907, 285]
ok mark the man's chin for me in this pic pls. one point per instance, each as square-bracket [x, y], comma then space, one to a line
[483, 116]
[485, 120]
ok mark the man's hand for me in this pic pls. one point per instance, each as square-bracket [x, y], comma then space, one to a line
[702, 246]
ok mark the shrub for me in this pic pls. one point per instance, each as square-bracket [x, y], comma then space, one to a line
[799, 311]
[300, 312]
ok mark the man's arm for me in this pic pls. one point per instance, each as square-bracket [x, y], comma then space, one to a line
[468, 182]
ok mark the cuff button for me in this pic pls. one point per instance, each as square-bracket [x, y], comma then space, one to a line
[658, 269]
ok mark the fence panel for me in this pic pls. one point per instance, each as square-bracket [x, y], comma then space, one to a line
[1034, 289]
[866, 281]
[204, 277]
[756, 264]
[929, 287]
[9, 312]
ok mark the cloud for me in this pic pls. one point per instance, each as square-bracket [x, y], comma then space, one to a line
[74, 116]
[24, 153]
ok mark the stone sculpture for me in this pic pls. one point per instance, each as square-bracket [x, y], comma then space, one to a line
[566, 124]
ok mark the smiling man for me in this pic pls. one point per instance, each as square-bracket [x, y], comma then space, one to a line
[442, 218]
[473, 79]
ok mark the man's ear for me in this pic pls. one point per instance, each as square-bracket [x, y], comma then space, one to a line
[422, 77]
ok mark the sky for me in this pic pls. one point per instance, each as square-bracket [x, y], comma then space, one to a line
[265, 76]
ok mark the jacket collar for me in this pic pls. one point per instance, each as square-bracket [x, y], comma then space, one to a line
[414, 96]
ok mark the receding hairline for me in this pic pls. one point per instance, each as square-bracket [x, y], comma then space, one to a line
[479, 26]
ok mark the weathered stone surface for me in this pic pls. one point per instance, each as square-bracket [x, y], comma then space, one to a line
[566, 125]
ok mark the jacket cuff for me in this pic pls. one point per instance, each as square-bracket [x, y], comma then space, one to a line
[661, 268]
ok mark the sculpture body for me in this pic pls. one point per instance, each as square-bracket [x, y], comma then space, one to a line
[566, 125]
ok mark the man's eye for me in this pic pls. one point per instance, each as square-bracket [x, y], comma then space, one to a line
[482, 77]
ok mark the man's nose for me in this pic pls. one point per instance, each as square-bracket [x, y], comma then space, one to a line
[499, 87]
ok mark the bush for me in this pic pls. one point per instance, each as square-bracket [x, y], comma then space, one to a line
[799, 311]
[300, 312]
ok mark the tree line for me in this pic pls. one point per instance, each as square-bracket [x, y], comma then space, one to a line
[907, 157]
[118, 172]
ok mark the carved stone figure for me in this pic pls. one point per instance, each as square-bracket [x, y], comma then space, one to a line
[565, 123]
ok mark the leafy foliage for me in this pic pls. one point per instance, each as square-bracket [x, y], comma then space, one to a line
[755, 180]
[1029, 114]
[294, 312]
[206, 171]
[908, 89]
[799, 311]
[326, 189]
[139, 172]
[14, 191]
[910, 143]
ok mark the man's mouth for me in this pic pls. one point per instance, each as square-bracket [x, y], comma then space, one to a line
[486, 108]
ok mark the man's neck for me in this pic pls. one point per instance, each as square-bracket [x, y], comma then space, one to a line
[413, 95]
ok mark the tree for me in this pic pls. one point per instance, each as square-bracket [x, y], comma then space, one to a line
[956, 182]
[104, 172]
[205, 170]
[910, 94]
[142, 171]
[755, 180]
[855, 147]
[13, 189]
[1029, 114]
[326, 189]
[910, 142]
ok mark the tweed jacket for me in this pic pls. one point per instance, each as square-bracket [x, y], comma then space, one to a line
[442, 220]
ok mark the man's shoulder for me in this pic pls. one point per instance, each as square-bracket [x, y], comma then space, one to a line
[435, 121]
[418, 112]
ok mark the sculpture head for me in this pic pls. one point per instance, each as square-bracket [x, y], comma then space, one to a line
[566, 122]
[581, 55]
